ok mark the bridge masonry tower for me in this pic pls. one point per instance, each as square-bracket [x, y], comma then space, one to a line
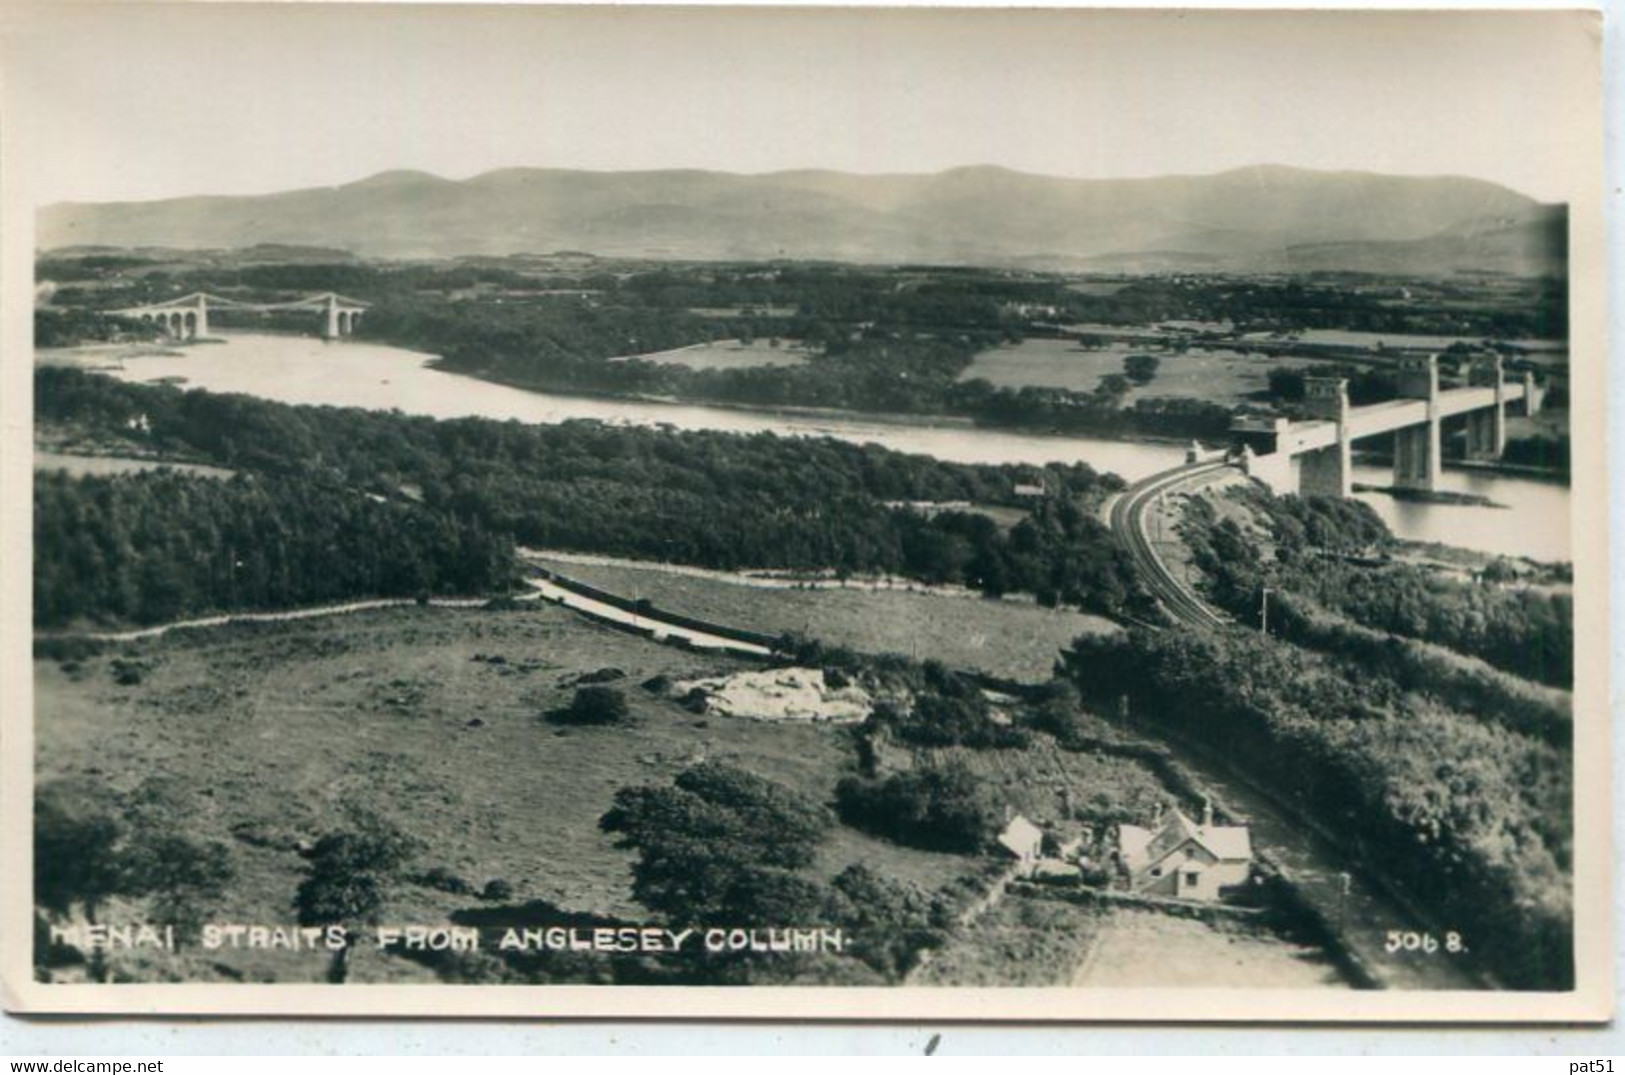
[1487, 429]
[339, 319]
[1328, 471]
[1417, 454]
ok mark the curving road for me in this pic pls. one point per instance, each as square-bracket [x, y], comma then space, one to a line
[1128, 517]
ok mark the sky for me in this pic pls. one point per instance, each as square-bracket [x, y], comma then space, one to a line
[136, 101]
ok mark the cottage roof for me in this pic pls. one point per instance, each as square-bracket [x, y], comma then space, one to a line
[1230, 843]
[1174, 832]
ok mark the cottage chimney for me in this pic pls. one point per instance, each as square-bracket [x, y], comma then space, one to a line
[1207, 812]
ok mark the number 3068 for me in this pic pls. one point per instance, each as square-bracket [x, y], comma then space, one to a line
[1405, 940]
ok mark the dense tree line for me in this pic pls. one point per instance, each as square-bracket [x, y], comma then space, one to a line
[72, 326]
[156, 546]
[938, 807]
[1427, 670]
[924, 295]
[1525, 630]
[712, 499]
[1292, 306]
[1474, 819]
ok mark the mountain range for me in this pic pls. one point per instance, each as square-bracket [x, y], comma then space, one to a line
[1260, 218]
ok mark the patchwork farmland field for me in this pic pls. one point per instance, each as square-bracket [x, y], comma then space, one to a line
[1217, 375]
[1012, 639]
[1048, 363]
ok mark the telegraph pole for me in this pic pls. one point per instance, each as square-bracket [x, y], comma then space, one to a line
[1264, 610]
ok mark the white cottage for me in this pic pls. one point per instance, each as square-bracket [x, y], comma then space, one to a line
[1024, 841]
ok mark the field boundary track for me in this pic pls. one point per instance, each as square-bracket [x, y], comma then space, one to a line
[759, 579]
[228, 618]
[645, 619]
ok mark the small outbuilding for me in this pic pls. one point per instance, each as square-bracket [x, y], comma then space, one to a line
[1024, 842]
[1185, 860]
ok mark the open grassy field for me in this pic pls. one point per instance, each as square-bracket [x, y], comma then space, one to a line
[731, 355]
[275, 733]
[1018, 942]
[1226, 377]
[1012, 639]
[101, 465]
[1219, 376]
[1221, 954]
[1048, 363]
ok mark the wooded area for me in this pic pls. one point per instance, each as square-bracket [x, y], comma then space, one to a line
[450, 493]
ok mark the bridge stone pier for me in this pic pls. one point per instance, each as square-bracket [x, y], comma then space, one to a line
[340, 317]
[1321, 444]
[1487, 430]
[183, 322]
[1328, 471]
[1418, 452]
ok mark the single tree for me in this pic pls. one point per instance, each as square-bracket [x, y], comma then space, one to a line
[1141, 369]
[78, 855]
[594, 704]
[1113, 386]
[349, 879]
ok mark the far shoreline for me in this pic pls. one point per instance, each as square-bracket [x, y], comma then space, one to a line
[945, 422]
[120, 352]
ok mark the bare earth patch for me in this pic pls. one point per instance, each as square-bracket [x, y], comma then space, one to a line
[781, 694]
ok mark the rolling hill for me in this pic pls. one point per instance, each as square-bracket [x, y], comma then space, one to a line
[1266, 217]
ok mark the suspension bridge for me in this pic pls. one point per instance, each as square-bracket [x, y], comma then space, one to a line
[187, 318]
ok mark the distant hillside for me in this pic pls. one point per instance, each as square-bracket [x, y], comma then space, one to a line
[1252, 218]
[1522, 245]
